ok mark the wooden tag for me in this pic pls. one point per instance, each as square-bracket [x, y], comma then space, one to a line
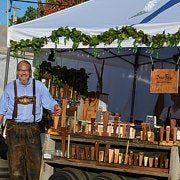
[164, 81]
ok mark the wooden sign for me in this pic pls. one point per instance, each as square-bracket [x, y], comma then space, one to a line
[164, 81]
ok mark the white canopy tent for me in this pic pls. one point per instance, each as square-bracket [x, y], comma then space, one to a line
[96, 16]
[124, 70]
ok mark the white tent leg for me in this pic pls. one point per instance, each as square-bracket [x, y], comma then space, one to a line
[7, 67]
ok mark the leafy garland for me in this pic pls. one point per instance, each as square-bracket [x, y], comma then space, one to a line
[106, 38]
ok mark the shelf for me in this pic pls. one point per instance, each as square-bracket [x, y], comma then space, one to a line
[112, 141]
[135, 145]
[159, 172]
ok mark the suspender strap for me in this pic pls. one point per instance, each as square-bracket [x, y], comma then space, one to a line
[14, 115]
[34, 102]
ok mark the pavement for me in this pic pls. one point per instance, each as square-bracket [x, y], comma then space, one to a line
[4, 173]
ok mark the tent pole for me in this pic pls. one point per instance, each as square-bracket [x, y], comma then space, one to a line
[134, 86]
[7, 67]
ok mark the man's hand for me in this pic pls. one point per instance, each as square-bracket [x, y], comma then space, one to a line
[57, 110]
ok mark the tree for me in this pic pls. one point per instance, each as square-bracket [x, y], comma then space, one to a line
[30, 14]
[58, 5]
[51, 6]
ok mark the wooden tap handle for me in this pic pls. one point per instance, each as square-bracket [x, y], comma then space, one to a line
[86, 152]
[144, 129]
[66, 91]
[106, 156]
[161, 161]
[68, 148]
[77, 151]
[57, 92]
[92, 153]
[63, 140]
[156, 162]
[131, 158]
[55, 121]
[127, 147]
[82, 154]
[167, 133]
[105, 122]
[174, 134]
[64, 108]
[115, 124]
[73, 152]
[141, 157]
[93, 125]
[116, 156]
[161, 134]
[124, 131]
[127, 130]
[97, 150]
[136, 159]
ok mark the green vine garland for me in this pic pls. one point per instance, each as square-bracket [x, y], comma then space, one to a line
[106, 38]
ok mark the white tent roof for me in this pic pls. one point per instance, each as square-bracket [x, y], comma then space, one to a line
[96, 16]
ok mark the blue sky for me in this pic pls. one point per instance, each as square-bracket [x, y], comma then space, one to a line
[20, 12]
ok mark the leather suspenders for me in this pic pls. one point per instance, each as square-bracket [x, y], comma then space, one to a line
[34, 102]
[14, 115]
[24, 100]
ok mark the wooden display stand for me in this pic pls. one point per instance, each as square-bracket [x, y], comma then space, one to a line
[109, 152]
[138, 163]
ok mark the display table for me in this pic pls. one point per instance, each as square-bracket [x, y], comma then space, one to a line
[172, 172]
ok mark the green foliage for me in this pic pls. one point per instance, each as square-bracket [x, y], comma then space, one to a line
[30, 14]
[61, 76]
[106, 38]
